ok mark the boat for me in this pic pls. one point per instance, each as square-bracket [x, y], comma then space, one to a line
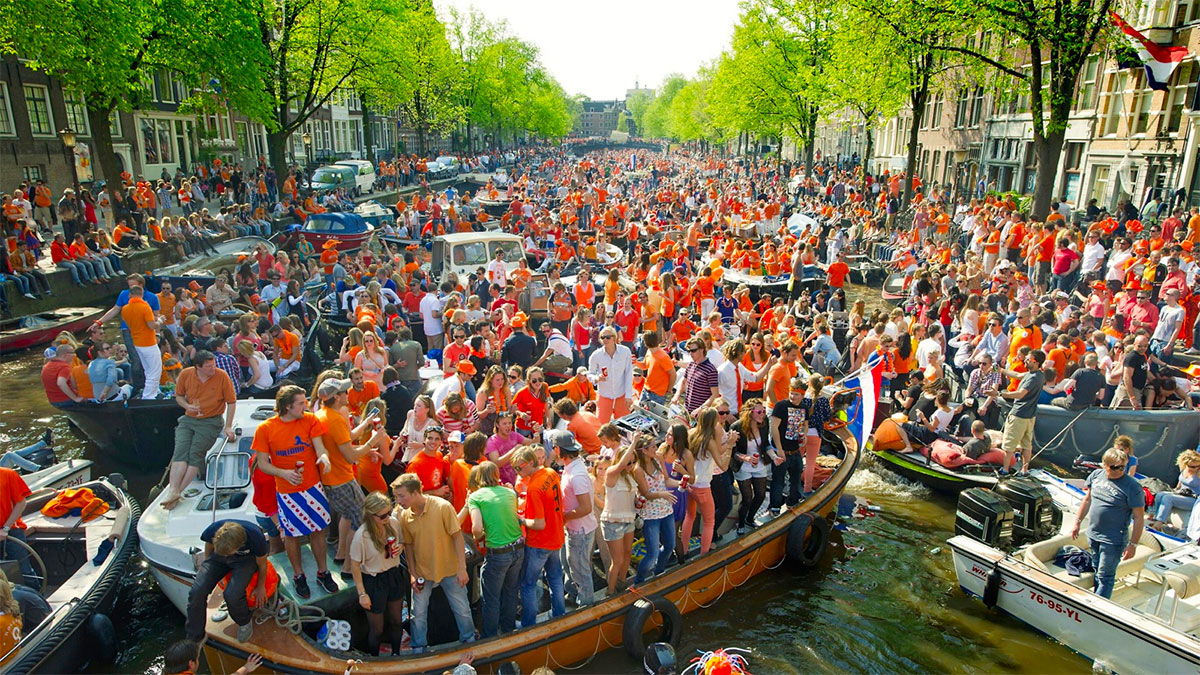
[1059, 435]
[374, 213]
[497, 206]
[76, 632]
[1149, 625]
[894, 291]
[575, 637]
[231, 254]
[350, 230]
[34, 330]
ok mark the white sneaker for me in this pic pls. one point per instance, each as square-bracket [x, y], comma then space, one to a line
[245, 632]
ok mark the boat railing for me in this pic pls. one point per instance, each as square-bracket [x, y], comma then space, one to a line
[28, 637]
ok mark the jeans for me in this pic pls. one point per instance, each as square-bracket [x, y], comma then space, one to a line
[19, 459]
[1107, 557]
[212, 570]
[80, 273]
[17, 552]
[577, 559]
[501, 577]
[722, 491]
[648, 395]
[536, 560]
[659, 536]
[790, 468]
[21, 282]
[1165, 501]
[1064, 282]
[459, 605]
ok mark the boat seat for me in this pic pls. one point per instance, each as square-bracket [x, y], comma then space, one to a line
[1041, 555]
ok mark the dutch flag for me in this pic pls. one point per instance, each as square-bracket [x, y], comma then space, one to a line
[1160, 61]
[861, 418]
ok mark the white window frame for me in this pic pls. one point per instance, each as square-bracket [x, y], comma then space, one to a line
[116, 127]
[81, 125]
[49, 110]
[6, 110]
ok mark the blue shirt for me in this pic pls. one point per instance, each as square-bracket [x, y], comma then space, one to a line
[726, 306]
[1113, 503]
[103, 373]
[123, 299]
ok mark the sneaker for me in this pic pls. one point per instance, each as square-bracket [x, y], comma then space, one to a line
[741, 529]
[347, 575]
[30, 296]
[327, 582]
[774, 513]
[245, 632]
[301, 585]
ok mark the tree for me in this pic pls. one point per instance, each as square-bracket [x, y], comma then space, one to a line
[107, 51]
[688, 118]
[655, 120]
[637, 105]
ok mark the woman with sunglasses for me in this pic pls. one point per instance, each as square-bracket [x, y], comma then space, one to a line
[375, 565]
[372, 359]
[749, 463]
[532, 403]
[1183, 497]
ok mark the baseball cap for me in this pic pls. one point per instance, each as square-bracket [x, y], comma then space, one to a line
[564, 440]
[333, 387]
[456, 437]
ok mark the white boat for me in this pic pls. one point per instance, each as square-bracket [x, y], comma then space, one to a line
[167, 539]
[64, 474]
[1151, 623]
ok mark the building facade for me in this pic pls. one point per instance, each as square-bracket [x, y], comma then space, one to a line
[598, 118]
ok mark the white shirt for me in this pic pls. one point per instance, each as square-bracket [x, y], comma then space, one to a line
[429, 305]
[924, 349]
[269, 294]
[1093, 253]
[727, 381]
[620, 372]
[558, 343]
[497, 273]
[576, 481]
[1116, 262]
[447, 386]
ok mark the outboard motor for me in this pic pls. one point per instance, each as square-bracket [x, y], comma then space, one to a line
[985, 516]
[1034, 516]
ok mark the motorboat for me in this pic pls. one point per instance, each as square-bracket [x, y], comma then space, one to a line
[1059, 435]
[78, 584]
[231, 254]
[350, 230]
[938, 467]
[1152, 621]
[894, 290]
[34, 330]
[169, 538]
[375, 214]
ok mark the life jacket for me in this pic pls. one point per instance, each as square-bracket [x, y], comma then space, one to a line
[272, 584]
[75, 501]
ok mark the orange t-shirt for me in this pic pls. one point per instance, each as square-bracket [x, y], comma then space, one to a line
[610, 292]
[459, 470]
[781, 378]
[543, 499]
[137, 315]
[1059, 357]
[585, 294]
[431, 469]
[288, 345]
[166, 307]
[837, 274]
[659, 367]
[83, 383]
[329, 258]
[359, 399]
[337, 432]
[212, 396]
[287, 443]
[370, 473]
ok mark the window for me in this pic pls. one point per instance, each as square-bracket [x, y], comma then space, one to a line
[937, 160]
[77, 117]
[1113, 103]
[165, 148]
[976, 107]
[937, 111]
[1100, 181]
[6, 121]
[1023, 89]
[1088, 81]
[114, 124]
[149, 142]
[1072, 164]
[1141, 111]
[960, 114]
[1180, 95]
[37, 102]
[33, 173]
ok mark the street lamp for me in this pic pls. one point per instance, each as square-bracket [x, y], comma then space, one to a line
[307, 146]
[68, 140]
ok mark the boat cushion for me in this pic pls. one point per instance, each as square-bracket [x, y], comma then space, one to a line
[951, 455]
[1041, 556]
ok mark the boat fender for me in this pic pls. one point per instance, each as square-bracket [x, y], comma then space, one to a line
[991, 587]
[639, 614]
[120, 522]
[103, 638]
[807, 539]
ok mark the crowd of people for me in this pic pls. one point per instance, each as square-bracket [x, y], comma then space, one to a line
[517, 451]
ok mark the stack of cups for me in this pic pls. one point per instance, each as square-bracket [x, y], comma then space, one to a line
[337, 635]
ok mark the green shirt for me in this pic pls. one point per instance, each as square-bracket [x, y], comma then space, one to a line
[498, 506]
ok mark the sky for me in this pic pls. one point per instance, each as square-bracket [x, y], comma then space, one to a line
[601, 48]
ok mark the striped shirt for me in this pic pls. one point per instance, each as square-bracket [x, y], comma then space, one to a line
[700, 377]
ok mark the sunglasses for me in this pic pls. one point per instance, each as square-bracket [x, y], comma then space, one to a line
[514, 375]
[536, 381]
[722, 412]
[382, 516]
[696, 349]
[1119, 467]
[608, 337]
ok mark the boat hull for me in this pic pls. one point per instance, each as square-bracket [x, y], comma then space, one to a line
[133, 432]
[346, 241]
[70, 319]
[893, 288]
[932, 475]
[1121, 639]
[571, 639]
[1159, 436]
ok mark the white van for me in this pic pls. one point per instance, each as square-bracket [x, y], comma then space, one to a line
[364, 179]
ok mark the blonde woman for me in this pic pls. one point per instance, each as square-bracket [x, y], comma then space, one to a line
[709, 447]
[1184, 495]
[352, 344]
[619, 512]
[372, 359]
[375, 565]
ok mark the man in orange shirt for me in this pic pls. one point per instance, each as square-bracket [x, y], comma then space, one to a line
[143, 329]
[660, 370]
[341, 489]
[361, 391]
[545, 534]
[206, 394]
[837, 272]
[287, 352]
[781, 374]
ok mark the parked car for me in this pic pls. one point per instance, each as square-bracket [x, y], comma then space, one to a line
[333, 177]
[435, 170]
[452, 162]
[364, 178]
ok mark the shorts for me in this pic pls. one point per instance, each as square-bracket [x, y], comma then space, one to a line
[1018, 433]
[303, 513]
[1041, 273]
[612, 531]
[387, 586]
[194, 437]
[267, 526]
[346, 500]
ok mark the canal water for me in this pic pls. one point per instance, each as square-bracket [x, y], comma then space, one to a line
[885, 599]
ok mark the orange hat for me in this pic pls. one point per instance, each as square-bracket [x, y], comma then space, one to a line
[1186, 244]
[1142, 246]
[466, 367]
[519, 320]
[332, 243]
[194, 285]
[1099, 285]
[241, 258]
[1133, 285]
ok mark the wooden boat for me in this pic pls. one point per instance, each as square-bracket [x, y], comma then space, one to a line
[573, 638]
[893, 288]
[350, 230]
[231, 254]
[1060, 435]
[76, 632]
[38, 329]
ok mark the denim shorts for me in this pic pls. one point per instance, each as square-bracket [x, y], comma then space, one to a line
[613, 531]
[267, 526]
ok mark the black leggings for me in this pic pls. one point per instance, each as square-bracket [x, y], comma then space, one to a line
[754, 491]
[375, 623]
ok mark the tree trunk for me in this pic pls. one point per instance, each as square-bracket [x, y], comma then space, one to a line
[869, 151]
[919, 97]
[103, 154]
[367, 139]
[1048, 149]
[277, 143]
